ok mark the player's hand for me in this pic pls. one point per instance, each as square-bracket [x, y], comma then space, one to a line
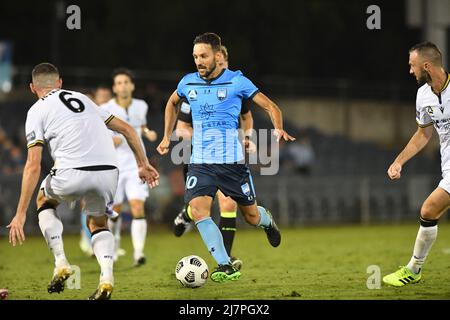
[163, 147]
[394, 171]
[279, 133]
[249, 145]
[16, 234]
[151, 135]
[149, 174]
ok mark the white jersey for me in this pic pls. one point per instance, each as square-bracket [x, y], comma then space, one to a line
[74, 129]
[434, 109]
[135, 115]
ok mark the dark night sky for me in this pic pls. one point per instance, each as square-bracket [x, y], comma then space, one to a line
[306, 39]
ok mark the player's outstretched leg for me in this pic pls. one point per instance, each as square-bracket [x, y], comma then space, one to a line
[433, 208]
[103, 246]
[182, 222]
[261, 217]
[52, 229]
[213, 240]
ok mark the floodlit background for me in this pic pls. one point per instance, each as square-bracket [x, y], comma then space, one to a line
[344, 90]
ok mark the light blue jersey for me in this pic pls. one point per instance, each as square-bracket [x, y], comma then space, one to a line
[216, 106]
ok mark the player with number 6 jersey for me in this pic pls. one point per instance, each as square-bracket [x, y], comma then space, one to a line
[75, 131]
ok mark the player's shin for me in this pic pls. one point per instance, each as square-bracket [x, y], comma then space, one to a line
[103, 246]
[265, 220]
[213, 240]
[227, 227]
[138, 236]
[52, 229]
[426, 236]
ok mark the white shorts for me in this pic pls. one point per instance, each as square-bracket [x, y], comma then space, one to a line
[131, 187]
[97, 188]
[445, 182]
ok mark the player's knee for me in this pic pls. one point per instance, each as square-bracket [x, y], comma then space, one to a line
[198, 214]
[97, 223]
[43, 203]
[228, 205]
[137, 209]
[428, 212]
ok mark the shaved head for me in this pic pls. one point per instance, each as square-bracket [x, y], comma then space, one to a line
[428, 52]
[45, 75]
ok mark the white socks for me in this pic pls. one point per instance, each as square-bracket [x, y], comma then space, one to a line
[52, 229]
[424, 241]
[103, 246]
[115, 227]
[138, 235]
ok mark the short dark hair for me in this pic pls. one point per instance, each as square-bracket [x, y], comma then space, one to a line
[122, 71]
[44, 68]
[209, 38]
[429, 51]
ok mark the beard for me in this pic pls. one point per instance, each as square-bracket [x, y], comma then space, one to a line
[423, 78]
[208, 71]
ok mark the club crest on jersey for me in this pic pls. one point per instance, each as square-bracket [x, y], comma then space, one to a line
[246, 189]
[221, 94]
[192, 94]
[430, 110]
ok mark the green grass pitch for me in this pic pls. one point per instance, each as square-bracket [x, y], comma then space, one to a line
[311, 263]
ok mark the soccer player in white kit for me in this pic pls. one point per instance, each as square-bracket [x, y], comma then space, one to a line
[134, 112]
[85, 166]
[432, 109]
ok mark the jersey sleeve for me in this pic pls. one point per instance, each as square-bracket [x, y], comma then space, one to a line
[246, 88]
[34, 128]
[180, 88]
[144, 113]
[423, 119]
[185, 113]
[104, 114]
[245, 108]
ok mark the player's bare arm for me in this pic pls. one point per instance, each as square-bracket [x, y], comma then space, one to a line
[31, 173]
[146, 172]
[247, 127]
[150, 135]
[183, 130]
[169, 122]
[275, 116]
[417, 142]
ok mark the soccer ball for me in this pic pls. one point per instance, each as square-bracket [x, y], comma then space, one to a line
[192, 271]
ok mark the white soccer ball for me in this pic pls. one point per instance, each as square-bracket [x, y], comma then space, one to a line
[192, 271]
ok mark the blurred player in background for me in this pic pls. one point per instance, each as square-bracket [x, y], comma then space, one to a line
[228, 207]
[85, 166]
[432, 108]
[134, 112]
[101, 94]
[215, 96]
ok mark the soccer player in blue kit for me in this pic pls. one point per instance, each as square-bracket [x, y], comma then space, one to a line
[215, 95]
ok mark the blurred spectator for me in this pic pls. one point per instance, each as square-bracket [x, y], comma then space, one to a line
[297, 157]
[102, 94]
